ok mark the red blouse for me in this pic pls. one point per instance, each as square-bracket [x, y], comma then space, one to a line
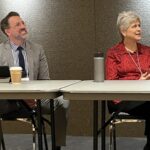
[121, 66]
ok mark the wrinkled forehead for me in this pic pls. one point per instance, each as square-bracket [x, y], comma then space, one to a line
[128, 22]
[137, 21]
[14, 20]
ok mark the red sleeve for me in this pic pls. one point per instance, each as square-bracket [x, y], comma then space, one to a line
[111, 66]
[111, 69]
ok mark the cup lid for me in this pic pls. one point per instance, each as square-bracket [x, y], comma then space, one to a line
[15, 68]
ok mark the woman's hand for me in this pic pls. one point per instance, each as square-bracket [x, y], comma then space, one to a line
[145, 76]
[30, 102]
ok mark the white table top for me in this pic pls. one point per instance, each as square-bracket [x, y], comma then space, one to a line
[37, 85]
[33, 89]
[109, 89]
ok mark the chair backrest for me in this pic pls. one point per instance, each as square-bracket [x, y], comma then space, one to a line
[118, 116]
[123, 117]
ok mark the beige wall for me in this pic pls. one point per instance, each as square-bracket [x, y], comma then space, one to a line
[66, 29]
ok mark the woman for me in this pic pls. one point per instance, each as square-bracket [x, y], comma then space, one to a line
[130, 60]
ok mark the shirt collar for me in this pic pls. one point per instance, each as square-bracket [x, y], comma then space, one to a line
[124, 51]
[14, 46]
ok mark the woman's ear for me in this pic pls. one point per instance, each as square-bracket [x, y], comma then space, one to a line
[123, 32]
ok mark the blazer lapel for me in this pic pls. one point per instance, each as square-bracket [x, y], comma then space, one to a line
[30, 60]
[9, 56]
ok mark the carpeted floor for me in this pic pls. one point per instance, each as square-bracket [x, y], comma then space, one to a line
[24, 142]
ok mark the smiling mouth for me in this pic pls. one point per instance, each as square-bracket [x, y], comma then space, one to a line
[139, 34]
[23, 32]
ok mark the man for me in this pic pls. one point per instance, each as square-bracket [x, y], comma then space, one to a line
[18, 51]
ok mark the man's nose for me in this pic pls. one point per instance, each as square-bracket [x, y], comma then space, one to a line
[23, 25]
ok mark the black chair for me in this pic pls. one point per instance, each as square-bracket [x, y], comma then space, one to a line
[26, 115]
[117, 118]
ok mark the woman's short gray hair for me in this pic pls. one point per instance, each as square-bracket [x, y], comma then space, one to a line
[125, 19]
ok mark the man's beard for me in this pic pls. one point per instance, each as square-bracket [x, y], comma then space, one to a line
[22, 37]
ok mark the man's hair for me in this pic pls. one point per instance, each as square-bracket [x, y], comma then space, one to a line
[4, 21]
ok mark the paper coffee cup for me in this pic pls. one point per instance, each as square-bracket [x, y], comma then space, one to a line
[16, 74]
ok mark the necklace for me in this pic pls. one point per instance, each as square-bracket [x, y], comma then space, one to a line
[129, 50]
[138, 61]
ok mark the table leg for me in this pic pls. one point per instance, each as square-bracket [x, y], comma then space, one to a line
[2, 143]
[52, 124]
[39, 120]
[95, 125]
[1, 135]
[103, 117]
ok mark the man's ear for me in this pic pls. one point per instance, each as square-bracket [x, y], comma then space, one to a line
[7, 32]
